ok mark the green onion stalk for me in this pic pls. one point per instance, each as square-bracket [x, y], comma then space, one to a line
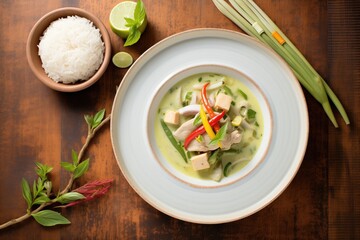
[253, 21]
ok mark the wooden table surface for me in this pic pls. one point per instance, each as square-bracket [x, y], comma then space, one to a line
[42, 125]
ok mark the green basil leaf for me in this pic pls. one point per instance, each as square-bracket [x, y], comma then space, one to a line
[42, 199]
[197, 120]
[134, 36]
[99, 116]
[250, 115]
[81, 168]
[26, 192]
[50, 218]
[139, 14]
[74, 157]
[35, 191]
[89, 120]
[130, 22]
[214, 157]
[42, 170]
[69, 197]
[48, 186]
[220, 135]
[68, 166]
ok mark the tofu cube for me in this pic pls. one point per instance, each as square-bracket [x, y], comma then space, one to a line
[223, 101]
[200, 162]
[172, 117]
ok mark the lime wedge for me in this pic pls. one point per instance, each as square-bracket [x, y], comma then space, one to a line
[122, 59]
[117, 17]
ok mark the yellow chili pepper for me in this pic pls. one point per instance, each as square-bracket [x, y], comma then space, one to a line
[206, 124]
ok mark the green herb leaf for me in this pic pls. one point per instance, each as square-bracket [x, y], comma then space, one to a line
[139, 14]
[197, 120]
[200, 79]
[188, 97]
[99, 116]
[250, 115]
[243, 94]
[81, 168]
[228, 90]
[74, 157]
[134, 36]
[219, 135]
[48, 187]
[50, 218]
[130, 22]
[35, 191]
[68, 166]
[89, 120]
[42, 170]
[69, 197]
[26, 192]
[41, 200]
[213, 159]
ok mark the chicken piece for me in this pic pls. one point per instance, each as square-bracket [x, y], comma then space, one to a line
[184, 130]
[172, 117]
[200, 162]
[223, 101]
[204, 146]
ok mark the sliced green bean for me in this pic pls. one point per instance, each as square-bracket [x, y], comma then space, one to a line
[173, 141]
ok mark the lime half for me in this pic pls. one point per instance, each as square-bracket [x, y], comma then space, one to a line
[122, 59]
[117, 17]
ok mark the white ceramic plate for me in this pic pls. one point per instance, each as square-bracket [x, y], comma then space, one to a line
[132, 140]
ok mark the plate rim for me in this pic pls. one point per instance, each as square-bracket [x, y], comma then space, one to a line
[212, 32]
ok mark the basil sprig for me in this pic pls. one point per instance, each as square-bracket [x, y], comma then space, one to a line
[134, 24]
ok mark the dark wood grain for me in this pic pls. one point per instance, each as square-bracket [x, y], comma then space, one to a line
[39, 124]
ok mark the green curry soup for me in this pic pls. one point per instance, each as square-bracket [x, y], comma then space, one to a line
[234, 140]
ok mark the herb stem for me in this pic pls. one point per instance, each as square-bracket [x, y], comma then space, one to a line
[91, 134]
[15, 221]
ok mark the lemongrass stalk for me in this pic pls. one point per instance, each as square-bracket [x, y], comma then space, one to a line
[303, 74]
[336, 102]
[242, 12]
[328, 90]
[243, 24]
[306, 74]
[273, 28]
[228, 11]
[237, 4]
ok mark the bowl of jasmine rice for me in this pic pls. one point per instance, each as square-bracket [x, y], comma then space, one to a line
[68, 49]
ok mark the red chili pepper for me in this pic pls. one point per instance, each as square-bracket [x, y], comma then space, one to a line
[207, 105]
[200, 130]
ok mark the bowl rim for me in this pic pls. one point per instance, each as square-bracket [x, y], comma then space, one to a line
[178, 76]
[36, 32]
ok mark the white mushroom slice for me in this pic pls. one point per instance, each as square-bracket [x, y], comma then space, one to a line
[189, 110]
[213, 86]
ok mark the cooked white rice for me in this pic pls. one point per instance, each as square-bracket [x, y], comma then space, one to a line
[71, 49]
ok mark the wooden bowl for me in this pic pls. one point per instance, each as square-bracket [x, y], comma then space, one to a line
[34, 58]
